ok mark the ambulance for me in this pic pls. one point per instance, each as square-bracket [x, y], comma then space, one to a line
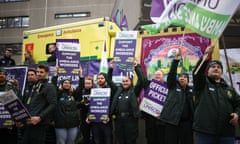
[90, 33]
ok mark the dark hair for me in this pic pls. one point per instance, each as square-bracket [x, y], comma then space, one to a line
[28, 52]
[45, 67]
[9, 49]
[103, 74]
[89, 78]
[32, 70]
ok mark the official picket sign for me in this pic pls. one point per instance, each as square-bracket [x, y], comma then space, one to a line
[154, 98]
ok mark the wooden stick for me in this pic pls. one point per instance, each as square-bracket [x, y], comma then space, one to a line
[204, 58]
[200, 65]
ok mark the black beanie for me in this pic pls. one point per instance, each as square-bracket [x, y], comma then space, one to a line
[3, 70]
[62, 81]
[213, 62]
[186, 74]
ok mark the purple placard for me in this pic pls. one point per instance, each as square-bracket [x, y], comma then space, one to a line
[19, 73]
[5, 118]
[157, 92]
[68, 60]
[124, 53]
[18, 111]
[12, 109]
[154, 98]
[99, 104]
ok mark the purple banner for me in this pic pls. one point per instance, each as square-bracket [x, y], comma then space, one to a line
[154, 98]
[68, 60]
[99, 104]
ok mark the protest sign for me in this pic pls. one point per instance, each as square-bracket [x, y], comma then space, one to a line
[68, 60]
[12, 108]
[124, 53]
[99, 104]
[154, 98]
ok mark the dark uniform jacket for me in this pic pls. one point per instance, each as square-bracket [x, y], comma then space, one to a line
[52, 59]
[179, 103]
[130, 97]
[67, 114]
[27, 92]
[214, 104]
[83, 94]
[7, 61]
[43, 101]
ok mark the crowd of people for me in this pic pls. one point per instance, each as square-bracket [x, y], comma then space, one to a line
[209, 109]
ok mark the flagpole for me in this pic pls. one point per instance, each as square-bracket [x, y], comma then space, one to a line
[183, 36]
[227, 61]
[204, 59]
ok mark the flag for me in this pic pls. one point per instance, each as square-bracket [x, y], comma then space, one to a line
[207, 19]
[104, 62]
[159, 15]
[160, 10]
[154, 28]
[124, 23]
[117, 17]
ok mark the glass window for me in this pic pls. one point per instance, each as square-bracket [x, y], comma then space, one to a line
[10, 22]
[3, 23]
[14, 22]
[25, 22]
[72, 15]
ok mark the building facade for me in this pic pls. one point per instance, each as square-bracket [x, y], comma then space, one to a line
[17, 16]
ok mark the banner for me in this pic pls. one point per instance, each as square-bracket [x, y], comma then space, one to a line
[124, 53]
[19, 73]
[11, 108]
[68, 60]
[158, 51]
[205, 17]
[208, 18]
[234, 67]
[99, 104]
[154, 98]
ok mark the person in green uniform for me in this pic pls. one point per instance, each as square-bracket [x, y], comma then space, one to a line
[125, 108]
[217, 105]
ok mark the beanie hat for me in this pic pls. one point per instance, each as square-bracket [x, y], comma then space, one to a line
[186, 74]
[213, 62]
[63, 80]
[3, 70]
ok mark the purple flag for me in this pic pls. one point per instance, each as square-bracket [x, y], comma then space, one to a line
[117, 17]
[124, 23]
